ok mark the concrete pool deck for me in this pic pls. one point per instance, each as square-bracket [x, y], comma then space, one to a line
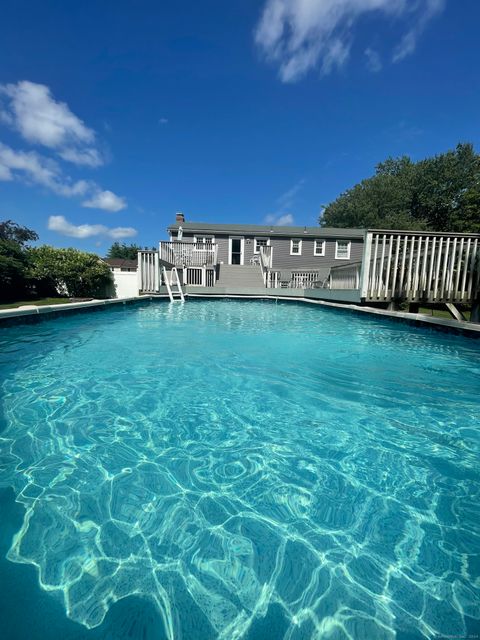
[444, 324]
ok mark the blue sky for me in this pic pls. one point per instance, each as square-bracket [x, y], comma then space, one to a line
[115, 115]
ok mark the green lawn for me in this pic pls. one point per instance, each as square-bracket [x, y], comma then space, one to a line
[442, 313]
[40, 302]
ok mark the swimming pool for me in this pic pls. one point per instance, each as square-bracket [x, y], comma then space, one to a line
[238, 470]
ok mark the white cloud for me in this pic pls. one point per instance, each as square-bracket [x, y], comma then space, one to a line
[34, 168]
[163, 121]
[61, 225]
[298, 35]
[286, 200]
[283, 220]
[31, 109]
[374, 63]
[409, 41]
[88, 157]
[105, 200]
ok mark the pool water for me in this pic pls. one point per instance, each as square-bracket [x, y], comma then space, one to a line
[238, 470]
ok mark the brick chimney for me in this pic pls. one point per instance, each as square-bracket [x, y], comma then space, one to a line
[179, 217]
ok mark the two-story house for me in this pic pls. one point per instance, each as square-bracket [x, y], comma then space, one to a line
[293, 253]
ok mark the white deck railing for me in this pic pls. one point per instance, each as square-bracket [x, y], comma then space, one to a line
[199, 277]
[189, 254]
[345, 276]
[416, 266]
[148, 272]
[266, 259]
[293, 280]
[304, 279]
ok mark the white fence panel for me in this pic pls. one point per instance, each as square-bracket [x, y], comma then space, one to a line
[418, 266]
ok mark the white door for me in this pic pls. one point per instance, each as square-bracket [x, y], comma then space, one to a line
[236, 250]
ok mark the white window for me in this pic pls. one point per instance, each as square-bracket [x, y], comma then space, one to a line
[342, 250]
[260, 242]
[319, 248]
[204, 239]
[295, 247]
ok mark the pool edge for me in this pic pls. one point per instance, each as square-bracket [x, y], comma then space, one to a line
[33, 313]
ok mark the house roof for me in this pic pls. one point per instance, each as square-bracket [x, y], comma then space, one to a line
[121, 262]
[266, 230]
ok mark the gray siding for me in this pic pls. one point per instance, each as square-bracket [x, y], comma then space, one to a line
[282, 260]
[308, 261]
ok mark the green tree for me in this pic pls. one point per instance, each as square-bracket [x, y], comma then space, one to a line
[69, 271]
[125, 251]
[14, 259]
[441, 193]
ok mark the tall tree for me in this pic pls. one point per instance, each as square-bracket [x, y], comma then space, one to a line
[125, 251]
[14, 259]
[441, 193]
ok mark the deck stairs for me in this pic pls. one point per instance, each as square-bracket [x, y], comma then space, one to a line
[235, 275]
[174, 287]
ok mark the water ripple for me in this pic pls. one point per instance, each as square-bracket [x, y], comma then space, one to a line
[251, 468]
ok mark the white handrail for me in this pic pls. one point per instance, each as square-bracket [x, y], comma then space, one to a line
[189, 254]
[419, 266]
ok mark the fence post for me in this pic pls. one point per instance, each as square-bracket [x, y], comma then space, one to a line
[366, 258]
[475, 313]
[157, 271]
[139, 271]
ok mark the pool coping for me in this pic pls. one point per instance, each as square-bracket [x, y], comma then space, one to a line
[417, 319]
[35, 310]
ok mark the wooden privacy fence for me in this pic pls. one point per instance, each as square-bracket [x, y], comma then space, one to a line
[416, 266]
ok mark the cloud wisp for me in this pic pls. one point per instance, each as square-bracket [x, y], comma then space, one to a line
[374, 63]
[82, 231]
[280, 220]
[33, 112]
[300, 35]
[409, 41]
[33, 168]
[285, 202]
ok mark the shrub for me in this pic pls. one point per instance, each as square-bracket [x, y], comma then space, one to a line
[71, 272]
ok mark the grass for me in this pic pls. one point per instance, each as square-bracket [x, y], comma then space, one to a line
[39, 302]
[442, 313]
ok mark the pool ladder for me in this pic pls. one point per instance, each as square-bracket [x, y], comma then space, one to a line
[173, 283]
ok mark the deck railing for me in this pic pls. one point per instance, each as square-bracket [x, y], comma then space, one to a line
[266, 259]
[416, 266]
[304, 279]
[148, 272]
[345, 276]
[199, 276]
[189, 254]
[293, 280]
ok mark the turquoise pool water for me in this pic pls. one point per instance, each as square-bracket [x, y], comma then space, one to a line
[238, 470]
